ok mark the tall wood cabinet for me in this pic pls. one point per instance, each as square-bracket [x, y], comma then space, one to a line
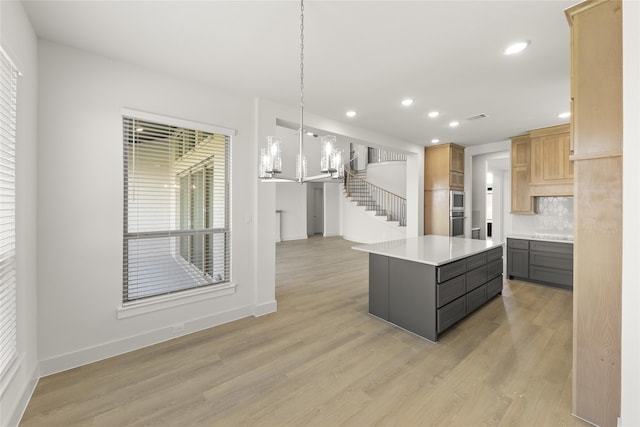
[443, 172]
[521, 198]
[596, 91]
[444, 167]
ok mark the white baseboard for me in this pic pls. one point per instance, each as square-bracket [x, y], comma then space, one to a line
[332, 235]
[294, 237]
[21, 407]
[103, 351]
[266, 308]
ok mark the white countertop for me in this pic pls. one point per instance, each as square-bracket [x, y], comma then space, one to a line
[431, 249]
[542, 237]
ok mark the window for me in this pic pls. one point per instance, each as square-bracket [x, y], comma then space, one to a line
[177, 233]
[8, 98]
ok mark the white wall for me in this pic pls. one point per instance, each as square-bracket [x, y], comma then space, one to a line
[311, 205]
[332, 196]
[497, 207]
[630, 414]
[392, 176]
[291, 199]
[506, 204]
[415, 193]
[361, 152]
[362, 227]
[20, 42]
[80, 206]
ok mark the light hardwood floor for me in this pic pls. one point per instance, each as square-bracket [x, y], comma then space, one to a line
[322, 360]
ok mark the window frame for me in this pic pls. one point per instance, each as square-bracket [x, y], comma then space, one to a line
[9, 356]
[196, 293]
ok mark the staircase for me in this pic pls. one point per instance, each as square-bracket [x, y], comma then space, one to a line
[380, 202]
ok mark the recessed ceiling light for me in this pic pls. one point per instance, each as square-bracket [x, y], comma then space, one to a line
[454, 124]
[406, 102]
[310, 133]
[434, 114]
[516, 47]
[564, 115]
[351, 113]
[435, 140]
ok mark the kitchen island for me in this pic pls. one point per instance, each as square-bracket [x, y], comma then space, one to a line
[428, 283]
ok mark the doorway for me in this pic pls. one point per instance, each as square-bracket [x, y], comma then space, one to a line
[318, 210]
[497, 198]
[315, 209]
[487, 207]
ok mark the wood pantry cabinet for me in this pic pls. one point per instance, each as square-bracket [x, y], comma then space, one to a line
[521, 199]
[456, 170]
[444, 167]
[596, 92]
[443, 172]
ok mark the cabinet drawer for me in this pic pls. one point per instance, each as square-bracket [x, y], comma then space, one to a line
[476, 260]
[494, 253]
[476, 278]
[451, 270]
[551, 260]
[494, 287]
[556, 247]
[551, 275]
[451, 313]
[494, 268]
[517, 244]
[450, 290]
[476, 298]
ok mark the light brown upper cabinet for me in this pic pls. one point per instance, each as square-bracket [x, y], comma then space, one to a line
[444, 167]
[541, 165]
[456, 172]
[521, 199]
[551, 169]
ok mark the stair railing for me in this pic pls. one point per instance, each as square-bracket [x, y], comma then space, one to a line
[384, 202]
[376, 155]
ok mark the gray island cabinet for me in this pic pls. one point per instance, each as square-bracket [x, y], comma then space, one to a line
[426, 284]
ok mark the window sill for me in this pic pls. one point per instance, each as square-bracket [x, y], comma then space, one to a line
[164, 302]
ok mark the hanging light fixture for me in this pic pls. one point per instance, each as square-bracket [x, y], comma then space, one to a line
[331, 164]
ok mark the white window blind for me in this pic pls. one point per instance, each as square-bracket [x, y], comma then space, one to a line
[8, 98]
[177, 233]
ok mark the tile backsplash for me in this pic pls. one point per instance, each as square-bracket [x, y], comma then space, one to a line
[554, 215]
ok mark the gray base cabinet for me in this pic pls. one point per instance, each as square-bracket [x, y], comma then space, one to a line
[517, 258]
[427, 299]
[547, 263]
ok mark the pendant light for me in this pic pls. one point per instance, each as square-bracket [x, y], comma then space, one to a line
[331, 163]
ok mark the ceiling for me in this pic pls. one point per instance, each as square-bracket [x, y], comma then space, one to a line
[361, 55]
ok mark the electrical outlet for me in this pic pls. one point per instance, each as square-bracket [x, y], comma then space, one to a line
[178, 327]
